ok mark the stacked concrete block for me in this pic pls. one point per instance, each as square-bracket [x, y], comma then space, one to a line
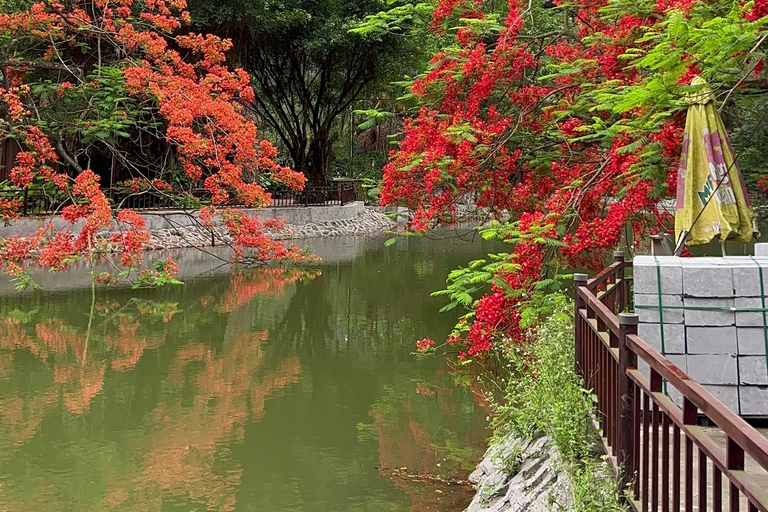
[728, 395]
[761, 250]
[674, 337]
[752, 400]
[671, 313]
[712, 322]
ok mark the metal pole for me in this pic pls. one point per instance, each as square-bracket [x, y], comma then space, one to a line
[627, 361]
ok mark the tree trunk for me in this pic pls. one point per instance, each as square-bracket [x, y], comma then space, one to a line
[318, 160]
[314, 158]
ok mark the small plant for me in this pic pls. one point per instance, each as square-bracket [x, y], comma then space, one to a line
[372, 189]
[544, 395]
[511, 461]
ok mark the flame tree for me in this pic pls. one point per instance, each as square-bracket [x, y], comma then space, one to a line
[567, 121]
[87, 86]
[308, 68]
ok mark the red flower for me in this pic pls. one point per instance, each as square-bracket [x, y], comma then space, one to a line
[425, 344]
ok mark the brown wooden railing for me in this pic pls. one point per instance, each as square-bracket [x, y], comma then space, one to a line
[43, 202]
[658, 449]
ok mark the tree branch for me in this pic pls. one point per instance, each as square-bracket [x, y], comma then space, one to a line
[42, 65]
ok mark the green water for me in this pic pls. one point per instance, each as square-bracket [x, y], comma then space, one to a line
[263, 390]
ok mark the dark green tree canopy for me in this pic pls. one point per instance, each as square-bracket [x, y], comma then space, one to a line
[307, 67]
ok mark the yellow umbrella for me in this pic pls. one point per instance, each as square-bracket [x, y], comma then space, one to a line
[711, 197]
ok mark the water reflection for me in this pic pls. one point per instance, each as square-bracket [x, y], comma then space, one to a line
[273, 389]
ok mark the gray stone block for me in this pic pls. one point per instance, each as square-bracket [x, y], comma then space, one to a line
[751, 340]
[646, 274]
[761, 249]
[643, 367]
[752, 370]
[753, 400]
[746, 280]
[705, 317]
[746, 275]
[678, 360]
[707, 280]
[675, 395]
[674, 337]
[537, 482]
[728, 395]
[671, 316]
[718, 369]
[711, 340]
[749, 319]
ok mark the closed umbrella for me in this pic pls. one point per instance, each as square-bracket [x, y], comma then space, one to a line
[711, 197]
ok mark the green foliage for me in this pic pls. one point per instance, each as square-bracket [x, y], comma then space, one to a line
[23, 281]
[359, 165]
[11, 6]
[38, 188]
[23, 316]
[466, 285]
[155, 310]
[160, 277]
[747, 119]
[544, 395]
[405, 17]
[373, 117]
[100, 111]
[372, 190]
[310, 65]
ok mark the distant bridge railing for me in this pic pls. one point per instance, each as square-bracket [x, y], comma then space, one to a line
[658, 449]
[37, 201]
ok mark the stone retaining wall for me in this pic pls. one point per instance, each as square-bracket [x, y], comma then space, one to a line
[518, 475]
[174, 229]
[368, 221]
[174, 219]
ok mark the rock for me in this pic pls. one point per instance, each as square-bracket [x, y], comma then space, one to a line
[519, 475]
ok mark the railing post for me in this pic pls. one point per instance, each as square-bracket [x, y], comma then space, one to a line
[618, 257]
[690, 417]
[578, 281]
[734, 460]
[627, 360]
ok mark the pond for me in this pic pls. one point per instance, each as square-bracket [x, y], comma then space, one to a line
[269, 390]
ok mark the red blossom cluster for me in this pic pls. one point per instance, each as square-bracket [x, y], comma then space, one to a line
[163, 271]
[57, 248]
[515, 146]
[198, 99]
[762, 184]
[759, 10]
[137, 185]
[10, 209]
[423, 345]
[252, 236]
